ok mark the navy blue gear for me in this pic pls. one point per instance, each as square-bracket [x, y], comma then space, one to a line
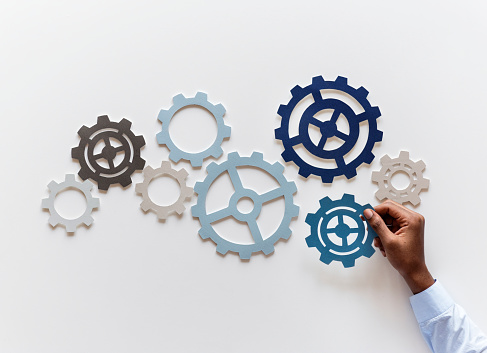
[347, 252]
[329, 128]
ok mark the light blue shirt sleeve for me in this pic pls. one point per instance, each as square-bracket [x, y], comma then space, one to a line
[444, 324]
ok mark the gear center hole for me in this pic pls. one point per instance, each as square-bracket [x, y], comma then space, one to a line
[164, 190]
[70, 203]
[193, 129]
[400, 180]
[245, 205]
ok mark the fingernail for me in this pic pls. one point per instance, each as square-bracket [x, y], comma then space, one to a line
[368, 214]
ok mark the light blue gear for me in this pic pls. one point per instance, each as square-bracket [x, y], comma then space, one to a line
[200, 100]
[286, 189]
[319, 222]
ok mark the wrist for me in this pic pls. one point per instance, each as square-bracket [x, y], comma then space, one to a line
[419, 281]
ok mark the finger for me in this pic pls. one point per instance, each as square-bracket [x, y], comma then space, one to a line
[376, 222]
[394, 210]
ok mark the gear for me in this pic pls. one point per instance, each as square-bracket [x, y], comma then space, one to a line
[200, 100]
[143, 189]
[339, 247]
[106, 131]
[328, 129]
[286, 189]
[91, 203]
[397, 165]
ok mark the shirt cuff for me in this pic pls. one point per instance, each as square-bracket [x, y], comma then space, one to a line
[431, 302]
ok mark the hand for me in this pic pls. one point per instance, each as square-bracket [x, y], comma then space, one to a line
[401, 240]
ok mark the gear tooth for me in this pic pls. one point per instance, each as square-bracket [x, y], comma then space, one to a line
[325, 258]
[279, 133]
[203, 234]
[368, 158]
[70, 227]
[286, 233]
[45, 204]
[374, 112]
[327, 179]
[326, 202]
[318, 80]
[386, 160]
[245, 254]
[284, 110]
[77, 153]
[163, 115]
[362, 92]
[287, 155]
[139, 188]
[312, 219]
[195, 211]
[162, 213]
[52, 185]
[368, 251]
[414, 199]
[348, 198]
[304, 172]
[149, 172]
[220, 110]
[178, 99]
[179, 208]
[165, 165]
[348, 262]
[138, 142]
[378, 136]
[161, 138]
[83, 174]
[103, 185]
[95, 202]
[257, 155]
[138, 163]
[199, 187]
[89, 221]
[296, 90]
[425, 184]
[182, 174]
[222, 249]
[125, 180]
[376, 177]
[268, 248]
[351, 172]
[404, 155]
[311, 241]
[278, 168]
[233, 156]
[291, 187]
[87, 185]
[420, 165]
[54, 220]
[145, 206]
[342, 81]
[175, 156]
[69, 178]
[294, 211]
[125, 124]
[211, 168]
[226, 131]
[201, 96]
[381, 194]
[103, 120]
[187, 193]
[84, 132]
[217, 153]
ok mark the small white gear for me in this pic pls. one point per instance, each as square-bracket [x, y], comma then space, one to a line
[143, 188]
[91, 203]
[400, 164]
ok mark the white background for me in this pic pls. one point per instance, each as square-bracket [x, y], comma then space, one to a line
[133, 284]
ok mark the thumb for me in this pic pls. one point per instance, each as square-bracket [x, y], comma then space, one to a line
[377, 223]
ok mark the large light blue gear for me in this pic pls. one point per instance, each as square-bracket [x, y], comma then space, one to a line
[328, 129]
[200, 100]
[320, 230]
[286, 189]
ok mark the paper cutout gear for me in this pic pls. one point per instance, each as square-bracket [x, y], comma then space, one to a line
[333, 236]
[286, 189]
[328, 129]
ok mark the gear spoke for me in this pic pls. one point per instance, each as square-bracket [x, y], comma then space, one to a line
[322, 142]
[119, 149]
[110, 163]
[219, 215]
[341, 135]
[107, 141]
[272, 195]
[315, 122]
[235, 178]
[296, 140]
[335, 115]
[254, 229]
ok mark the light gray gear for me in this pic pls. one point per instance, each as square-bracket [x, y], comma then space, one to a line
[200, 100]
[165, 169]
[91, 203]
[403, 163]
